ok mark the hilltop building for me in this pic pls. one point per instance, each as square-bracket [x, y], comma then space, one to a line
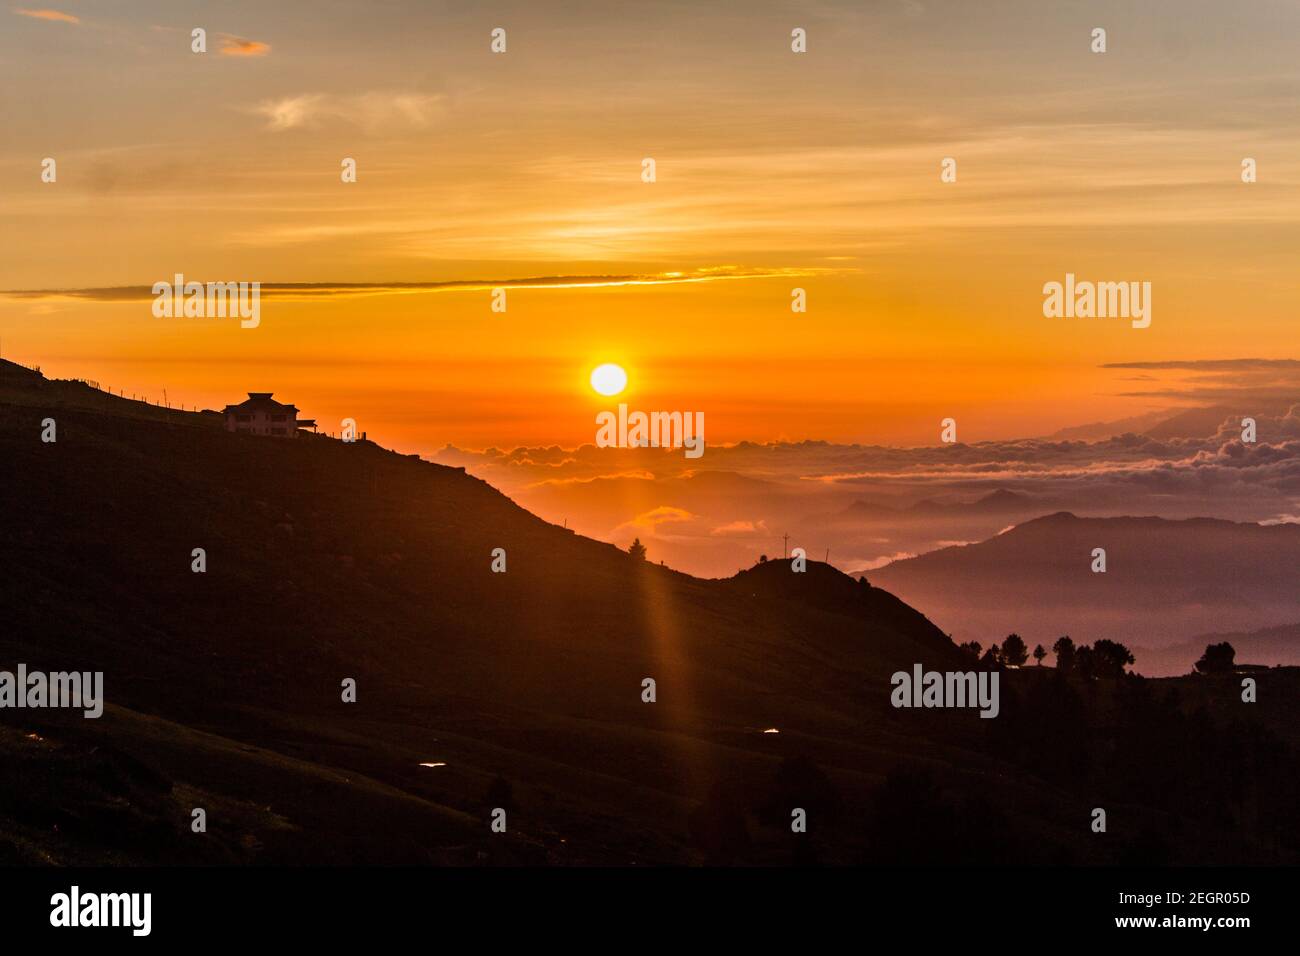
[262, 415]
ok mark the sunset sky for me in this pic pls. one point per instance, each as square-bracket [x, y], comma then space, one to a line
[774, 171]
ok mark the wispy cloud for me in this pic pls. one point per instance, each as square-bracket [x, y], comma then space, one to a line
[288, 112]
[740, 527]
[652, 519]
[1212, 365]
[57, 16]
[324, 290]
[369, 110]
[240, 46]
[1239, 381]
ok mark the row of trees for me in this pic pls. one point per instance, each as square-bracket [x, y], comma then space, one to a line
[1012, 652]
[1104, 658]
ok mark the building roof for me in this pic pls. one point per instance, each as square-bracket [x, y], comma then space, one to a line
[261, 402]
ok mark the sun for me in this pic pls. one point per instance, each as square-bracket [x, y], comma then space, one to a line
[608, 379]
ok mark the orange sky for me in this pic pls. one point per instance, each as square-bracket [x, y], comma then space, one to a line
[774, 170]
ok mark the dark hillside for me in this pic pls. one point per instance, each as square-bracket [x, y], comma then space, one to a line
[328, 561]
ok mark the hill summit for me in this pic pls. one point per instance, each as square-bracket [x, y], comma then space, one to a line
[325, 562]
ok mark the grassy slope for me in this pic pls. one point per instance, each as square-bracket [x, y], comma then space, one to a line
[328, 561]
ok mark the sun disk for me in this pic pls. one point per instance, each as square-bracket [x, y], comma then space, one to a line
[608, 379]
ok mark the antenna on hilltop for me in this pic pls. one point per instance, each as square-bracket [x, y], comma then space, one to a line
[785, 538]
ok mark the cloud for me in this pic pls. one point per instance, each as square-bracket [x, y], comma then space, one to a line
[288, 112]
[240, 46]
[324, 290]
[1281, 519]
[370, 111]
[1210, 468]
[1217, 365]
[1241, 382]
[878, 563]
[740, 527]
[719, 513]
[652, 519]
[57, 16]
[633, 475]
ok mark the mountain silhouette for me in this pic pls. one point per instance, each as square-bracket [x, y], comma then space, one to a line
[1001, 501]
[525, 691]
[327, 560]
[1165, 580]
[1269, 646]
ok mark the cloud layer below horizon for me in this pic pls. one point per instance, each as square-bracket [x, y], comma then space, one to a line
[870, 504]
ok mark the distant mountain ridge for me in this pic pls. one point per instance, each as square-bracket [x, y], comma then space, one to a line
[1271, 646]
[1198, 422]
[997, 502]
[1165, 582]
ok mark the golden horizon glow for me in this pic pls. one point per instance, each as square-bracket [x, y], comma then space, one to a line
[774, 172]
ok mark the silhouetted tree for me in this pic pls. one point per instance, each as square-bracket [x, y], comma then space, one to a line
[1109, 658]
[762, 559]
[992, 656]
[1039, 654]
[637, 549]
[1014, 651]
[972, 648]
[1083, 662]
[1064, 651]
[1217, 659]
